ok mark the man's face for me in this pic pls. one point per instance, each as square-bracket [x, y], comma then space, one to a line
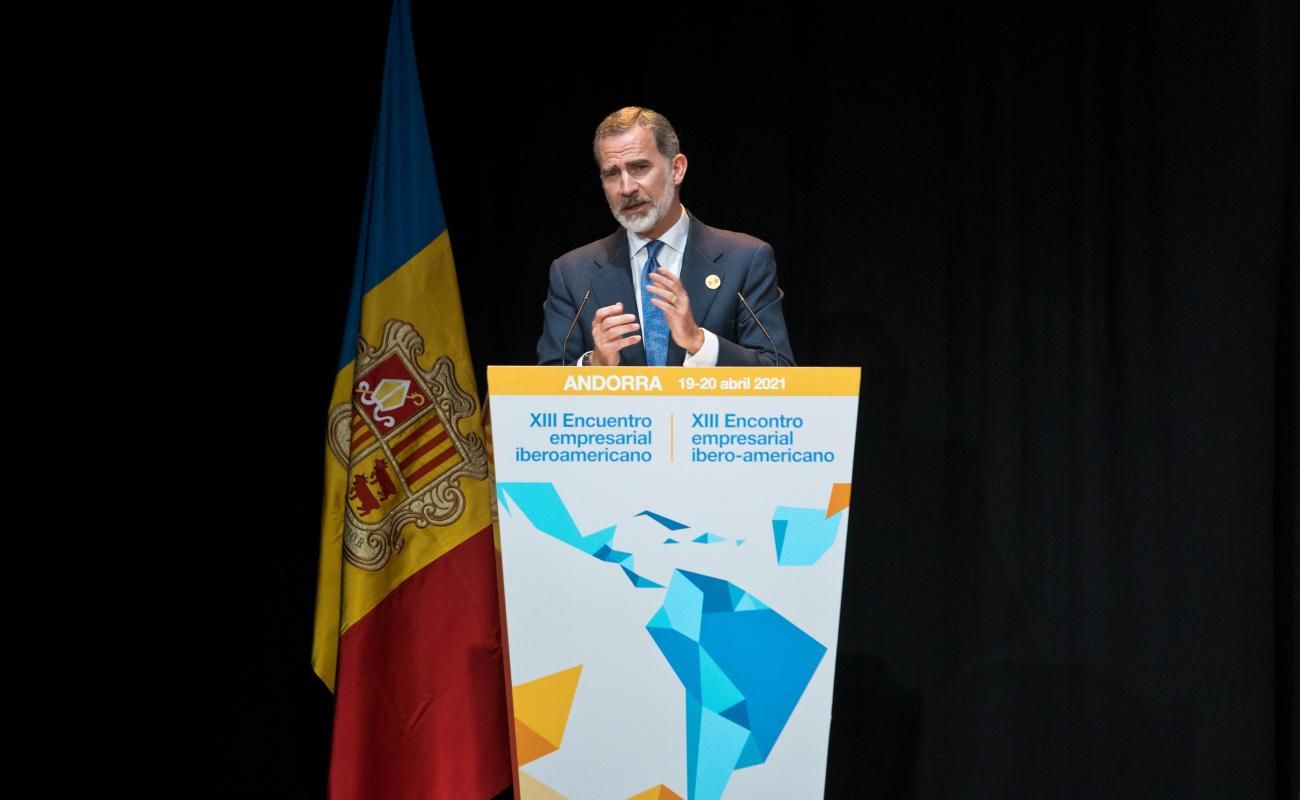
[640, 184]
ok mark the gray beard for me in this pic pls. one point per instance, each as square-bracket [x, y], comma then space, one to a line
[649, 218]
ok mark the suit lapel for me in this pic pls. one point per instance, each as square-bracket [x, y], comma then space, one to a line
[697, 262]
[612, 283]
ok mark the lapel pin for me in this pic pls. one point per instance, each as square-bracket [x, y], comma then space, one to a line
[713, 281]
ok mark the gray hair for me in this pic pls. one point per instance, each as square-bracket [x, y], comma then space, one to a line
[621, 121]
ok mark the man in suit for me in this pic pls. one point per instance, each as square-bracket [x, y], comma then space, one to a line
[668, 289]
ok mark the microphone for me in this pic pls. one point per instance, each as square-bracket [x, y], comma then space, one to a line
[775, 353]
[564, 348]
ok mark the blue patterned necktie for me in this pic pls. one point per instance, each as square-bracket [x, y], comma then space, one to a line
[654, 328]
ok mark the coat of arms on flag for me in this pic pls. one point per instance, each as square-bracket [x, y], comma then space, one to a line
[402, 445]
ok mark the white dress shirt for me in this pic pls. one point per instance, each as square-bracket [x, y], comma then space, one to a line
[670, 259]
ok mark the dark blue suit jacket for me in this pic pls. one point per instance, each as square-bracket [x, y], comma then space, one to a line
[743, 264]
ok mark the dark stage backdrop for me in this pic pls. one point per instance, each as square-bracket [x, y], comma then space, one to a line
[1062, 245]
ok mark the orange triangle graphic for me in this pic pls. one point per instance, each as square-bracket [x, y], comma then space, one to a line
[544, 704]
[532, 789]
[529, 745]
[839, 499]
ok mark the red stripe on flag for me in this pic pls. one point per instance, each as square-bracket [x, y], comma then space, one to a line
[401, 444]
[365, 438]
[420, 700]
[427, 468]
[414, 456]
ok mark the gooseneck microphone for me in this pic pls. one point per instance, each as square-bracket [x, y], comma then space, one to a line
[775, 354]
[564, 348]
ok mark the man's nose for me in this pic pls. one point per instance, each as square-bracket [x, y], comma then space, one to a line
[627, 186]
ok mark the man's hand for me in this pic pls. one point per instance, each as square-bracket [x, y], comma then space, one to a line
[609, 332]
[671, 298]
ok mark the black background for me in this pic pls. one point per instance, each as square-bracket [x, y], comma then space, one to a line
[1062, 245]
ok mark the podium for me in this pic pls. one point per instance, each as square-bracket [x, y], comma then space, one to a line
[671, 548]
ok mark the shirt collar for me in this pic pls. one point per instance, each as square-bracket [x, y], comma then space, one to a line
[674, 237]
